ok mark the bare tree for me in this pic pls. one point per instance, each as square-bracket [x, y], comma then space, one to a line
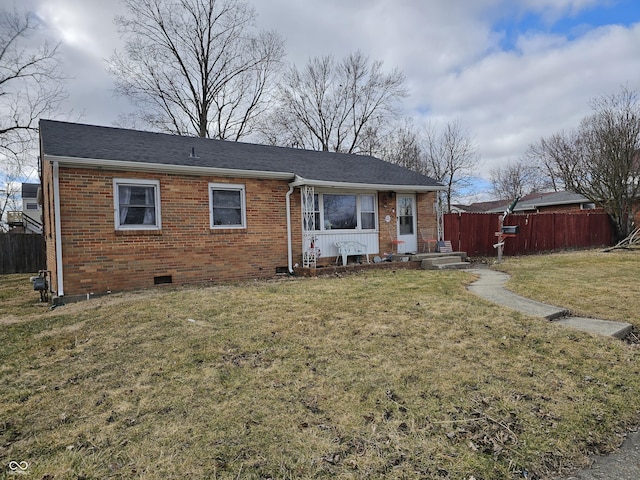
[14, 172]
[451, 157]
[516, 179]
[541, 156]
[402, 147]
[600, 159]
[30, 87]
[334, 106]
[196, 67]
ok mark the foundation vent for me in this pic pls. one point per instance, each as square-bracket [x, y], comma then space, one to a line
[162, 279]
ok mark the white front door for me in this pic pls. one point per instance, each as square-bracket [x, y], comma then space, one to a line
[406, 208]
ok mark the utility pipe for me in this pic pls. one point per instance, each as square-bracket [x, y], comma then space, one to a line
[58, 229]
[289, 242]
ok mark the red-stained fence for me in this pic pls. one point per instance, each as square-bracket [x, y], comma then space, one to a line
[475, 233]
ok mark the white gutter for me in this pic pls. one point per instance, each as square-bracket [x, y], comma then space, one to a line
[58, 231]
[166, 168]
[299, 181]
[101, 164]
[289, 241]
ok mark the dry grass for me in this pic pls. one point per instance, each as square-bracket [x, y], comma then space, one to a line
[18, 299]
[377, 375]
[590, 283]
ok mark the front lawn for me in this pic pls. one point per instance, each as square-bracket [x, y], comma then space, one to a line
[378, 375]
[590, 283]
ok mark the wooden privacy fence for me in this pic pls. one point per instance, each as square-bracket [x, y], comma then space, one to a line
[21, 253]
[474, 233]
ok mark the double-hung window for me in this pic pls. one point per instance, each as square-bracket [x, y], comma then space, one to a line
[227, 206]
[137, 204]
[345, 211]
[367, 212]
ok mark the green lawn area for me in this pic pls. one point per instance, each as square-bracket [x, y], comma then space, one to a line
[383, 374]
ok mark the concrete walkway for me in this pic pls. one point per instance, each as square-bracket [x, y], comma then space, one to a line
[491, 286]
[624, 464]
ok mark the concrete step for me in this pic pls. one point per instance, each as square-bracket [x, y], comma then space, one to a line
[455, 266]
[424, 256]
[444, 262]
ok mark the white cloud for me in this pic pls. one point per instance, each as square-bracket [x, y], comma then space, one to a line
[86, 26]
[451, 52]
[511, 99]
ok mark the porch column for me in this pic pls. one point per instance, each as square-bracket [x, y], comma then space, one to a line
[309, 251]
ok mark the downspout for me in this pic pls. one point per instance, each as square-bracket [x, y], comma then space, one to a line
[58, 230]
[289, 241]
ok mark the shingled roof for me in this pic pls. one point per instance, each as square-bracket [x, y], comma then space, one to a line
[536, 200]
[108, 146]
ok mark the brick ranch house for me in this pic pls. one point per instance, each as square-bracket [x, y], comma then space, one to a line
[126, 209]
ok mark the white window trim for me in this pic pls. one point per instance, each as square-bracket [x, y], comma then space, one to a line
[116, 206]
[243, 207]
[320, 228]
[375, 212]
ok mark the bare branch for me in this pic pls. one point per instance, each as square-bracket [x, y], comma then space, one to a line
[334, 106]
[195, 67]
[516, 179]
[451, 156]
[30, 88]
[30, 81]
[600, 159]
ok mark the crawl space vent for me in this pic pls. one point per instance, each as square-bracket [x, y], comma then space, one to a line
[162, 279]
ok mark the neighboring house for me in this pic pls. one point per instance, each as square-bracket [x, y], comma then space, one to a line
[547, 202]
[29, 219]
[126, 209]
[478, 207]
[550, 202]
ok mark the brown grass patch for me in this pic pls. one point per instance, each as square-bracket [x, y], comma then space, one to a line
[589, 283]
[394, 375]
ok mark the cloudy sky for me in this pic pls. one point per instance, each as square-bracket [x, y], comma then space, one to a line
[511, 71]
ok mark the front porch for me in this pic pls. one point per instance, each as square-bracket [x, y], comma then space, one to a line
[409, 261]
[358, 222]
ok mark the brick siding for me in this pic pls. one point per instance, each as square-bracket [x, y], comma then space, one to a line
[98, 258]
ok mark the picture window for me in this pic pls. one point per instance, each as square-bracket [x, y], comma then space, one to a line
[345, 211]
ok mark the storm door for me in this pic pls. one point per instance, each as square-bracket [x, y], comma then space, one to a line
[406, 208]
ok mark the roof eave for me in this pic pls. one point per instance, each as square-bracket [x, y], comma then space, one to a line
[295, 180]
[102, 164]
[532, 206]
[300, 181]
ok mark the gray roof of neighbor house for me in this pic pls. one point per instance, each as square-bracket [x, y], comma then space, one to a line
[481, 207]
[532, 201]
[90, 145]
[544, 199]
